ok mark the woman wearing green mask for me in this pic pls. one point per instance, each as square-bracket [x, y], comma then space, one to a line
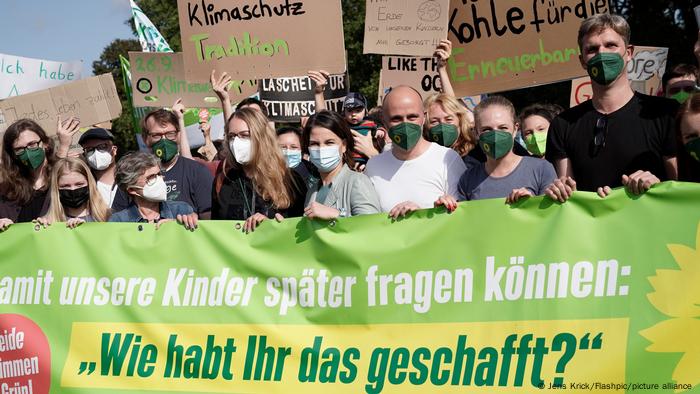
[504, 174]
[27, 158]
[447, 124]
[688, 133]
[534, 124]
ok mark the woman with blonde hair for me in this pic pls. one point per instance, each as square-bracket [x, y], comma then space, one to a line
[74, 195]
[255, 183]
[448, 124]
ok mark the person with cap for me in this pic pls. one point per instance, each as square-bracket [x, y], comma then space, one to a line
[415, 173]
[100, 153]
[186, 180]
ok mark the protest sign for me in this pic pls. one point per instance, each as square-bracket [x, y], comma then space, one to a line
[507, 45]
[289, 99]
[645, 72]
[22, 75]
[405, 27]
[419, 73]
[253, 39]
[298, 307]
[93, 100]
[159, 80]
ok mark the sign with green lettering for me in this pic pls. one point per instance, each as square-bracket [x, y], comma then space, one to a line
[507, 45]
[592, 295]
[22, 75]
[253, 39]
[159, 79]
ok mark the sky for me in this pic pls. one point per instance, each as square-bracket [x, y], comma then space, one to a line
[63, 30]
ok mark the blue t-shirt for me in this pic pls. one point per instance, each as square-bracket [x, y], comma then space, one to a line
[531, 173]
[168, 210]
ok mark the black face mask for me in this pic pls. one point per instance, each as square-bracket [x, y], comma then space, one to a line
[74, 198]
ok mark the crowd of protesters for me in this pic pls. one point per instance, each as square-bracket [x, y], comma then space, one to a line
[405, 155]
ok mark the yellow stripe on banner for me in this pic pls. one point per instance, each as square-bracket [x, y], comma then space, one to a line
[511, 356]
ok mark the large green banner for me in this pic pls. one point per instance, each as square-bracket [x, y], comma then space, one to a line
[594, 295]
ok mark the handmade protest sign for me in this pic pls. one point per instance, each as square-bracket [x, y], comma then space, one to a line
[22, 75]
[159, 79]
[419, 73]
[405, 27]
[93, 100]
[253, 39]
[608, 305]
[289, 99]
[645, 72]
[507, 45]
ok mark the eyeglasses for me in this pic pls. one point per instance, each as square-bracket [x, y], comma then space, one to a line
[105, 147]
[687, 89]
[31, 145]
[601, 133]
[171, 135]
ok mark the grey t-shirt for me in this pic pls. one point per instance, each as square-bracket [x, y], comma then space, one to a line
[531, 173]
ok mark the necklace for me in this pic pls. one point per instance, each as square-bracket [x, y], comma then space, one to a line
[248, 209]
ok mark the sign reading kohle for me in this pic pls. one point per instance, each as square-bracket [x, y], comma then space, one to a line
[505, 45]
[159, 79]
[289, 99]
[93, 100]
[405, 27]
[252, 39]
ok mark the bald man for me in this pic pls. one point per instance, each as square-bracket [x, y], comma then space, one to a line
[415, 173]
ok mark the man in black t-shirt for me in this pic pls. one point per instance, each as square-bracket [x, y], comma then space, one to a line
[187, 180]
[619, 137]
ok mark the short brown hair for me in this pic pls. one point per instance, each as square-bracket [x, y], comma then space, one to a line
[161, 116]
[597, 23]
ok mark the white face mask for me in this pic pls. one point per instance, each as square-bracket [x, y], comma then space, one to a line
[241, 148]
[99, 160]
[157, 192]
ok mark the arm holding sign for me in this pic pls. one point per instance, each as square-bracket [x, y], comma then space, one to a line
[179, 111]
[221, 86]
[443, 52]
[320, 79]
[65, 130]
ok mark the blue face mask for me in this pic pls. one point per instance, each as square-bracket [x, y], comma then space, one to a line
[326, 159]
[292, 157]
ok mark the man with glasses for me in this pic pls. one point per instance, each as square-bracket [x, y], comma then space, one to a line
[619, 137]
[186, 180]
[100, 154]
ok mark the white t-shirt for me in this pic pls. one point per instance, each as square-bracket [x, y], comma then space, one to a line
[107, 192]
[421, 180]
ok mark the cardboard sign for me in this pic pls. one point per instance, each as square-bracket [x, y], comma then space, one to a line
[405, 27]
[252, 39]
[645, 71]
[419, 73]
[22, 75]
[93, 100]
[159, 79]
[507, 45]
[289, 99]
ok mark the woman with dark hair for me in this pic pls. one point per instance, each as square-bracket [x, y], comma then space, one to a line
[255, 183]
[25, 167]
[534, 124]
[340, 191]
[289, 140]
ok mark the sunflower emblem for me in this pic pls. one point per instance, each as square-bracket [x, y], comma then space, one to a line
[397, 139]
[595, 71]
[159, 152]
[487, 148]
[677, 295]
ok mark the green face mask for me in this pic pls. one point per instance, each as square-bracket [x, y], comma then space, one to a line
[444, 134]
[693, 148]
[496, 143]
[32, 158]
[405, 135]
[681, 96]
[536, 143]
[165, 149]
[604, 68]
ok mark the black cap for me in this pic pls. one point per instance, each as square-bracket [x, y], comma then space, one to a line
[354, 100]
[97, 134]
